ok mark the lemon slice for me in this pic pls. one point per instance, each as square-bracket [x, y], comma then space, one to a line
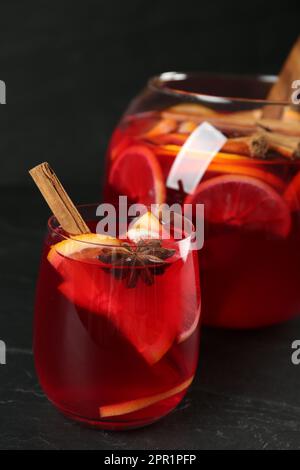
[80, 246]
[140, 403]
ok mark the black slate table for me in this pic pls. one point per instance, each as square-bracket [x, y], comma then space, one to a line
[246, 394]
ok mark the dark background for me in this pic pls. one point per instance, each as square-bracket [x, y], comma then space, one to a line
[71, 67]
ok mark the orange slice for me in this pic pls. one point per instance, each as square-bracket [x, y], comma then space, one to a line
[130, 406]
[130, 311]
[141, 317]
[148, 226]
[79, 247]
[169, 150]
[223, 157]
[190, 323]
[250, 170]
[243, 201]
[118, 146]
[172, 149]
[137, 174]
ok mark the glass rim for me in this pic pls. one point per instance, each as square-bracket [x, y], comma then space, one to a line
[159, 84]
[56, 229]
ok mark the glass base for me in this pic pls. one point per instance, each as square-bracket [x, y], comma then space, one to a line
[129, 421]
[111, 425]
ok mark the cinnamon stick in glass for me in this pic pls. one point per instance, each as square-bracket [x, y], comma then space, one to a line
[58, 200]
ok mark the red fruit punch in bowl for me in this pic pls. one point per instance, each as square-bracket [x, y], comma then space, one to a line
[250, 262]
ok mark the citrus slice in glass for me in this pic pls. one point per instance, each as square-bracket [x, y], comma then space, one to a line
[147, 318]
[147, 226]
[243, 201]
[131, 406]
[83, 246]
[135, 313]
[189, 324]
[137, 174]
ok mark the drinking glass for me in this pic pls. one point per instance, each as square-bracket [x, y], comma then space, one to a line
[115, 341]
[217, 140]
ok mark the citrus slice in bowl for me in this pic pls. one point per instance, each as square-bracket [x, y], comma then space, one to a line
[248, 170]
[136, 173]
[235, 158]
[131, 406]
[243, 201]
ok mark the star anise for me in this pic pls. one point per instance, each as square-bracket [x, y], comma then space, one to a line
[131, 262]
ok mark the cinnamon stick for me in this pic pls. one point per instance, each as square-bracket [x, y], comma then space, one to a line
[223, 123]
[282, 150]
[186, 127]
[233, 126]
[259, 144]
[287, 146]
[162, 127]
[288, 128]
[288, 140]
[251, 146]
[282, 89]
[58, 200]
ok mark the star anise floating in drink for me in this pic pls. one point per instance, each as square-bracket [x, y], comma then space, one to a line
[130, 262]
